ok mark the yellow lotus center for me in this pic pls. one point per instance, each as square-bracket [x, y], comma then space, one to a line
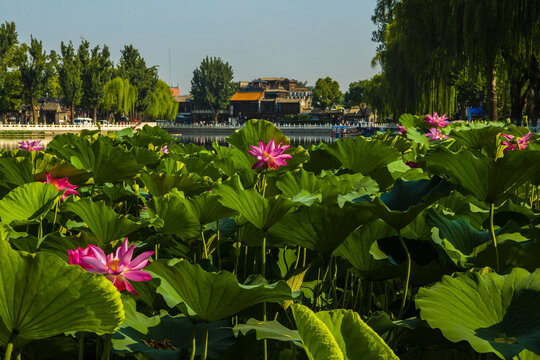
[114, 265]
[266, 154]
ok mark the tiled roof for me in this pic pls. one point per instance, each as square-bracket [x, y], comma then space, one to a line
[247, 96]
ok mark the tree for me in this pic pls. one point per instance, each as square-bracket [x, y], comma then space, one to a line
[69, 75]
[356, 93]
[326, 93]
[161, 103]
[96, 69]
[35, 71]
[133, 67]
[212, 85]
[10, 86]
[119, 96]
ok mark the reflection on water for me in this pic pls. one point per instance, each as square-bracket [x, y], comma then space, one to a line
[207, 140]
[12, 143]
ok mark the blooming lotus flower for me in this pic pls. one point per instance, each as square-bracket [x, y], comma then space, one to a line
[30, 145]
[436, 120]
[62, 184]
[516, 143]
[118, 267]
[75, 257]
[165, 149]
[269, 155]
[402, 129]
[412, 164]
[435, 134]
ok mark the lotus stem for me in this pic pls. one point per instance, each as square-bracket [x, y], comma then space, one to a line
[81, 346]
[408, 278]
[193, 343]
[204, 244]
[333, 281]
[204, 353]
[9, 349]
[493, 237]
[263, 272]
[107, 348]
[218, 249]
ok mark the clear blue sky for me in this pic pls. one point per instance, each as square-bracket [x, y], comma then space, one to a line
[300, 39]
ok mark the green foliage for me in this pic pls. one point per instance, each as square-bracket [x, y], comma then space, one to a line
[119, 96]
[160, 104]
[212, 85]
[326, 93]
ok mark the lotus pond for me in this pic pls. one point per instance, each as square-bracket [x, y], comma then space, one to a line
[422, 245]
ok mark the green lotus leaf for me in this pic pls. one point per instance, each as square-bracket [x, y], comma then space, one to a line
[42, 296]
[493, 313]
[150, 135]
[255, 131]
[28, 202]
[207, 208]
[356, 250]
[338, 335]
[163, 336]
[212, 296]
[317, 227]
[320, 159]
[487, 179]
[107, 163]
[268, 330]
[261, 212]
[162, 184]
[145, 156]
[15, 172]
[476, 136]
[102, 220]
[232, 160]
[406, 200]
[300, 186]
[362, 155]
[174, 215]
[188, 149]
[412, 124]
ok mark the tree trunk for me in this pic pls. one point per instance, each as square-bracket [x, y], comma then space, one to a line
[216, 116]
[71, 110]
[95, 114]
[493, 116]
[32, 103]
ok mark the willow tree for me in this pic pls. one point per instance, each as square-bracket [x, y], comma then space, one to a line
[119, 96]
[160, 103]
[9, 79]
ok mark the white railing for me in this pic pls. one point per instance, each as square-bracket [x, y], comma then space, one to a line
[67, 127]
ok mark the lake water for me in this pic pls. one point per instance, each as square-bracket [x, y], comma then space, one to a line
[206, 141]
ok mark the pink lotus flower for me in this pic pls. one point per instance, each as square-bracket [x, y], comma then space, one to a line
[62, 184]
[269, 155]
[412, 164]
[165, 149]
[516, 143]
[436, 120]
[75, 257]
[30, 145]
[435, 134]
[402, 129]
[118, 268]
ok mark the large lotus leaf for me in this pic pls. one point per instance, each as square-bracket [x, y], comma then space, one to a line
[475, 136]
[164, 336]
[15, 171]
[301, 186]
[406, 200]
[356, 250]
[269, 330]
[494, 313]
[202, 164]
[42, 296]
[261, 212]
[161, 184]
[255, 131]
[102, 220]
[107, 163]
[487, 179]
[362, 155]
[57, 168]
[145, 156]
[174, 215]
[317, 227]
[339, 335]
[412, 124]
[231, 160]
[207, 208]
[28, 202]
[150, 135]
[213, 296]
[320, 159]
